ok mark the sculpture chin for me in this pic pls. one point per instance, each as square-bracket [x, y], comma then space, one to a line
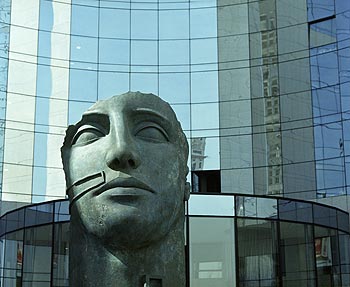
[125, 226]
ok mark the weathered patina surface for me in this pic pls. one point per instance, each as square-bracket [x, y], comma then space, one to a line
[126, 164]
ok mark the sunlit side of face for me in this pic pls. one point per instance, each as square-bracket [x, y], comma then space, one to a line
[134, 140]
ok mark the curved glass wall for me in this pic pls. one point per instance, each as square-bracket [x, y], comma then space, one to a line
[241, 240]
[261, 87]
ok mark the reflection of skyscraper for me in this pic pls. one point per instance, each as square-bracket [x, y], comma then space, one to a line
[197, 153]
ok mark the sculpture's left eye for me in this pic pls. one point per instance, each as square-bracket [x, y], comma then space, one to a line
[152, 133]
[87, 135]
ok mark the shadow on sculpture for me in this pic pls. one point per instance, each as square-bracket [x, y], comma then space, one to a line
[125, 164]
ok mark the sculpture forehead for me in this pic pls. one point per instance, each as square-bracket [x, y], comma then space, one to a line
[134, 101]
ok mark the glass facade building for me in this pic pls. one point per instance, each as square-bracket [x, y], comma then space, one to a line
[238, 241]
[261, 88]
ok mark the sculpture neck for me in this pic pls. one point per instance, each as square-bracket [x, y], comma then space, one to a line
[95, 264]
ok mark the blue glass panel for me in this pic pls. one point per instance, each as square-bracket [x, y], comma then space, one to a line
[44, 81]
[325, 216]
[46, 15]
[330, 174]
[4, 41]
[44, 45]
[344, 64]
[324, 66]
[75, 110]
[203, 23]
[204, 87]
[347, 166]
[345, 99]
[326, 102]
[346, 128]
[144, 82]
[39, 182]
[322, 33]
[92, 3]
[3, 74]
[343, 23]
[84, 20]
[318, 9]
[40, 149]
[115, 23]
[204, 51]
[5, 8]
[144, 53]
[144, 24]
[62, 210]
[173, 24]
[183, 115]
[174, 88]
[328, 140]
[110, 84]
[114, 51]
[174, 52]
[83, 85]
[84, 49]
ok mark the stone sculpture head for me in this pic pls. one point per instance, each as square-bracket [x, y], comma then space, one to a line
[125, 164]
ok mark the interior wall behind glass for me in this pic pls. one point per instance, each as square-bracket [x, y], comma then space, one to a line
[212, 252]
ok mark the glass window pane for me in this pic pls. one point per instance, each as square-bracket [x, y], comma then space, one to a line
[144, 53]
[76, 109]
[174, 53]
[211, 205]
[113, 51]
[14, 259]
[212, 252]
[37, 256]
[324, 66]
[204, 51]
[61, 255]
[326, 102]
[330, 174]
[84, 20]
[322, 33]
[204, 87]
[144, 82]
[174, 88]
[83, 85]
[205, 116]
[318, 9]
[111, 83]
[39, 214]
[324, 215]
[297, 247]
[203, 22]
[144, 24]
[257, 252]
[328, 140]
[114, 23]
[84, 49]
[173, 24]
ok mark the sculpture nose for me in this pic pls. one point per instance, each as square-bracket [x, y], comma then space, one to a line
[122, 154]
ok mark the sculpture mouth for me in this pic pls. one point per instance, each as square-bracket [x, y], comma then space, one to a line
[125, 184]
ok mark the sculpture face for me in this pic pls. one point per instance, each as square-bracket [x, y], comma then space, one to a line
[125, 166]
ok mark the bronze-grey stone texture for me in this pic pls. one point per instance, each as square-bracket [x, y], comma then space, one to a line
[125, 164]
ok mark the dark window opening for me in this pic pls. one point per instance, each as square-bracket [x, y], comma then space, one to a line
[206, 181]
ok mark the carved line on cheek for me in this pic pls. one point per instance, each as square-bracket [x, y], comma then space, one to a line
[85, 185]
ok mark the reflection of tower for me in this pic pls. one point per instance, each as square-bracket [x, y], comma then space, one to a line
[271, 98]
[197, 153]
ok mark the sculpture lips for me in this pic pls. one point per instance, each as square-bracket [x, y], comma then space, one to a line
[126, 182]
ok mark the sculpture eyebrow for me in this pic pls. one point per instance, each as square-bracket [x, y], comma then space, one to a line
[95, 116]
[153, 113]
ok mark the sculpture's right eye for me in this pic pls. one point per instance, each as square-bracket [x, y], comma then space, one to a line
[86, 135]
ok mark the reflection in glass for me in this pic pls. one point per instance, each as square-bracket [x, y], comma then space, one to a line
[14, 259]
[257, 252]
[211, 205]
[212, 252]
[297, 247]
[37, 256]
